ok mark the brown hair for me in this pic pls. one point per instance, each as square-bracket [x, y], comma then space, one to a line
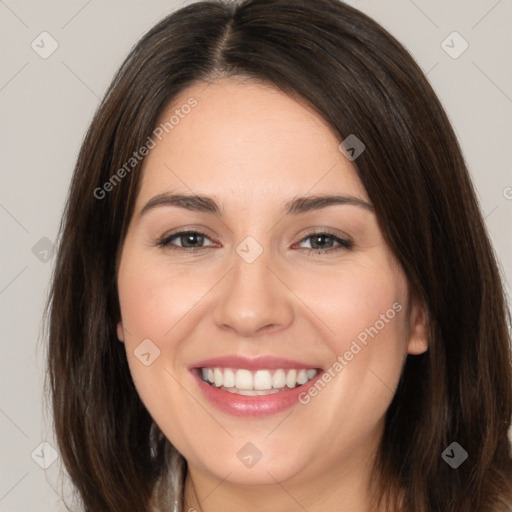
[361, 81]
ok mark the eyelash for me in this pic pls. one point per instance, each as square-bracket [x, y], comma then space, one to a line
[166, 242]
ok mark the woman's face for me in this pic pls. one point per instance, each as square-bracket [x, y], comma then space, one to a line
[267, 288]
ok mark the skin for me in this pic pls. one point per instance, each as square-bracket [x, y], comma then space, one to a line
[253, 149]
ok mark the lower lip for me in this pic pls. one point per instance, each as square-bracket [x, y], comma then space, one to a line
[255, 406]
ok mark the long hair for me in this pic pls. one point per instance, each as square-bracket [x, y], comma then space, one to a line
[361, 81]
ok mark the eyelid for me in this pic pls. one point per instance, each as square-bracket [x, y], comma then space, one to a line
[344, 241]
[164, 240]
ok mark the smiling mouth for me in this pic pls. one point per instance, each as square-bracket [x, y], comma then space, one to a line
[258, 382]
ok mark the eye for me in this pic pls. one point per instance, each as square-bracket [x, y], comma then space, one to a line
[190, 241]
[324, 241]
[193, 241]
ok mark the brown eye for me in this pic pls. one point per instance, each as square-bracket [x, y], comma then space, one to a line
[187, 240]
[326, 242]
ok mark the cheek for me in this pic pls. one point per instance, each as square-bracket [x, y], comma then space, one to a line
[362, 313]
[164, 306]
[154, 306]
[362, 300]
[154, 299]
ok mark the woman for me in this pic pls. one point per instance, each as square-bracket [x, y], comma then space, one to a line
[274, 289]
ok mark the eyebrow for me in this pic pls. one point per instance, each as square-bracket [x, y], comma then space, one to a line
[296, 206]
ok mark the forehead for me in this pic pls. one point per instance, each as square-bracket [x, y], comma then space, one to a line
[246, 140]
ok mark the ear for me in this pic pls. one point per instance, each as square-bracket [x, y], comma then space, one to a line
[120, 333]
[418, 328]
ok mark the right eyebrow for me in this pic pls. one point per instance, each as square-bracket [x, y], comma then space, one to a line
[190, 202]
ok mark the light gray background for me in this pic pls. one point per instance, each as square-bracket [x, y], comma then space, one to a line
[47, 104]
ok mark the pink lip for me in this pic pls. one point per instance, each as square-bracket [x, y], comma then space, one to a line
[251, 406]
[256, 363]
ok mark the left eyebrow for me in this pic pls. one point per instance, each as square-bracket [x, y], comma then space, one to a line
[309, 203]
[296, 206]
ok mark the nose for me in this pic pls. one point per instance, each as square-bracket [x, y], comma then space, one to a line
[253, 299]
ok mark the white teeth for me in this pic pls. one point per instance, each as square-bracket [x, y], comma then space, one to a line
[259, 382]
[218, 376]
[262, 380]
[243, 379]
[267, 392]
[302, 378]
[279, 379]
[251, 392]
[229, 378]
[291, 378]
[310, 374]
[246, 392]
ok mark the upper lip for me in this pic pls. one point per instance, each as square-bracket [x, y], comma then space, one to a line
[255, 363]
